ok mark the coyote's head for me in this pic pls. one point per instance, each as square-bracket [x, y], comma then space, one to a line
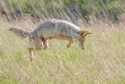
[82, 35]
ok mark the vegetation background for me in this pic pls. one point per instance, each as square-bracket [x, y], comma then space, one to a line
[101, 9]
[102, 61]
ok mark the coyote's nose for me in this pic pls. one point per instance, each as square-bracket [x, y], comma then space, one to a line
[82, 48]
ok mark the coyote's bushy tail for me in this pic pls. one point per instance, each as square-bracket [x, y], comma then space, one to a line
[19, 32]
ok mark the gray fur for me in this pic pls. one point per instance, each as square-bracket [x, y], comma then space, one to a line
[19, 32]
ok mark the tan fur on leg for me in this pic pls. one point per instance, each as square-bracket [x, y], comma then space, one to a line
[45, 43]
[31, 51]
[66, 38]
[70, 42]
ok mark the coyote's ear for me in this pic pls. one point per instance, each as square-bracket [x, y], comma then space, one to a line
[84, 33]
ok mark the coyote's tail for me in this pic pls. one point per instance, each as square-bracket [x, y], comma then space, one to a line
[19, 32]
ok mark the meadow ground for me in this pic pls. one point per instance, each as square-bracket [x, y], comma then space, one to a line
[102, 61]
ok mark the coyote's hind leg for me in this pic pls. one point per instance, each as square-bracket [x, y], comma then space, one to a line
[45, 43]
[31, 52]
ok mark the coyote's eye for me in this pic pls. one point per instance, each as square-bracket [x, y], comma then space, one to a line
[82, 34]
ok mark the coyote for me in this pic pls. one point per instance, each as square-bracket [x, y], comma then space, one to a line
[52, 29]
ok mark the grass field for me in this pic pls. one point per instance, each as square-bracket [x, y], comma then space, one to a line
[102, 61]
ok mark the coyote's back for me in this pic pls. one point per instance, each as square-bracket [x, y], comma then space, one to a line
[54, 27]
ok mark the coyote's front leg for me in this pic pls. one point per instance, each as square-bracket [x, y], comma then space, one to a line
[65, 38]
[70, 42]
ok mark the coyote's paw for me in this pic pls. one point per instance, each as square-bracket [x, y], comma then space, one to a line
[45, 48]
[68, 46]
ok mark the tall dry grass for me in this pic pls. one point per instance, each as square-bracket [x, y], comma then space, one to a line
[102, 61]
